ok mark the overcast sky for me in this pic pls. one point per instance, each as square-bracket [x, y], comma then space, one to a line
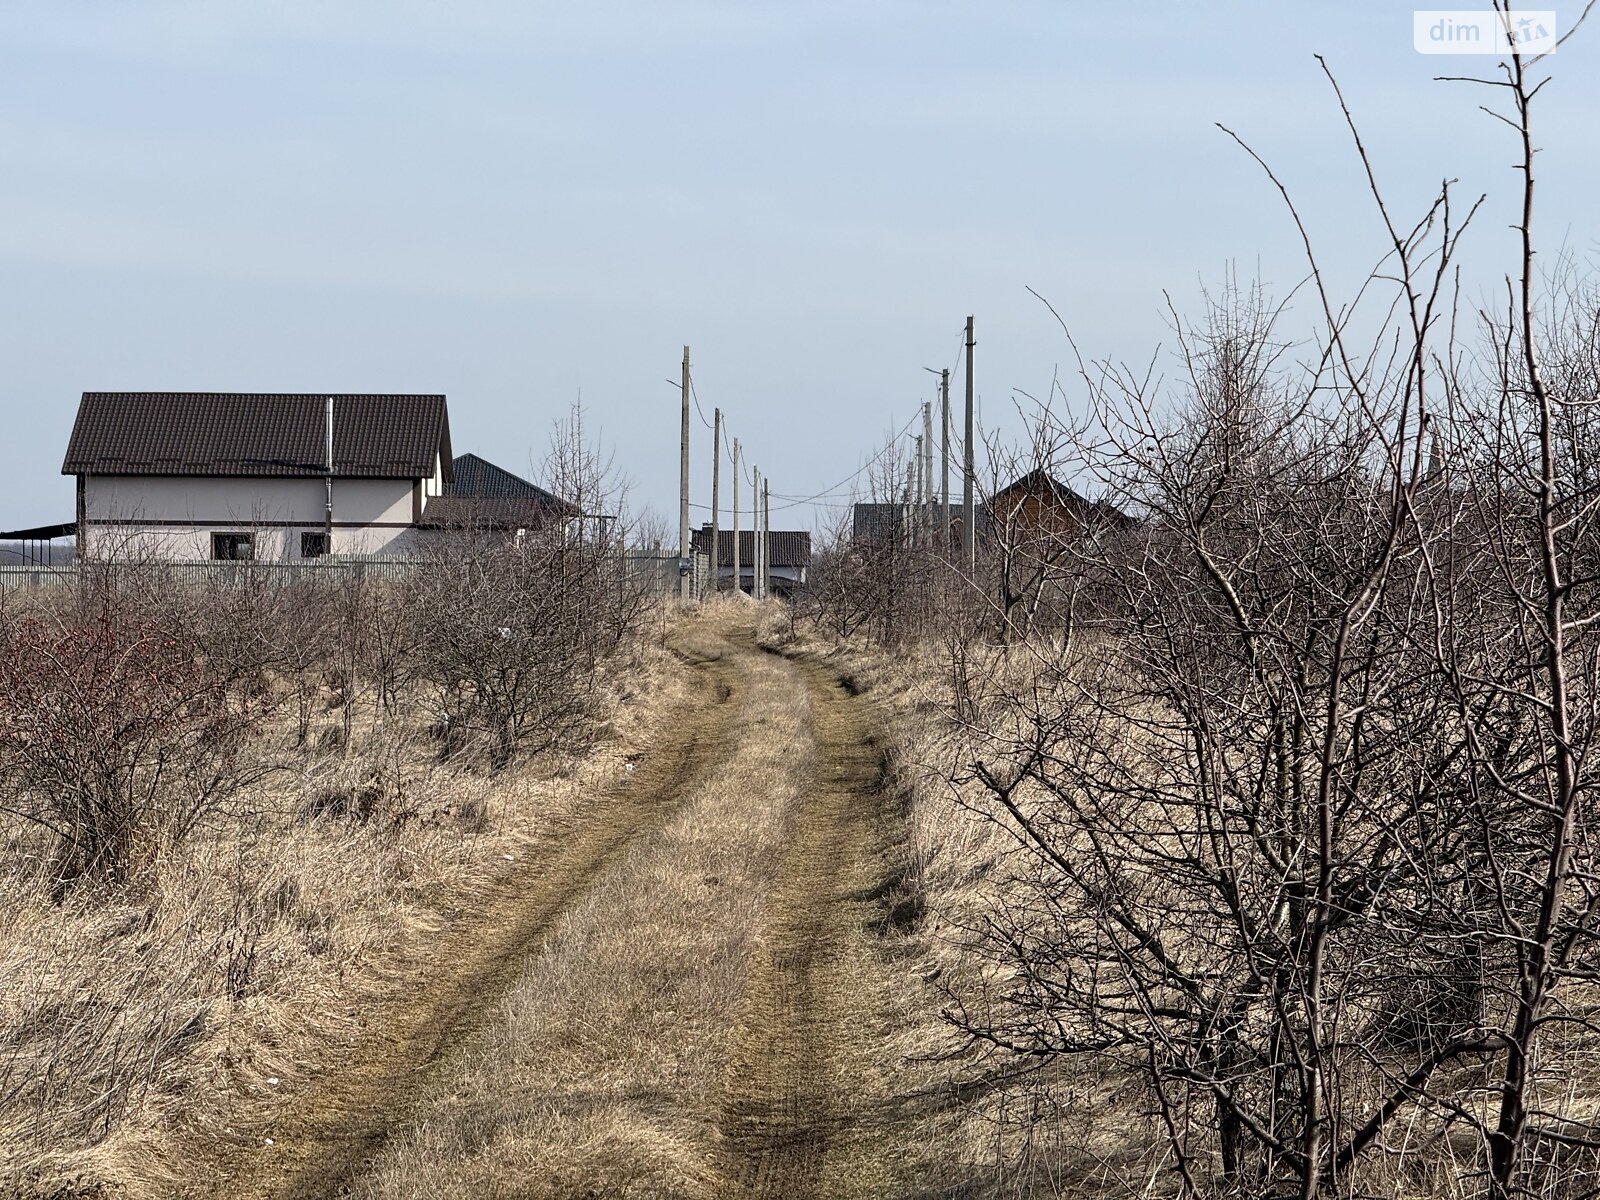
[517, 203]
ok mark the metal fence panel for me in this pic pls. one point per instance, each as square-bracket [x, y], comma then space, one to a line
[657, 572]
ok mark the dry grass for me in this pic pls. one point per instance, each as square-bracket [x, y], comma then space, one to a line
[178, 1018]
[140, 1025]
[970, 1123]
[602, 1071]
[965, 1122]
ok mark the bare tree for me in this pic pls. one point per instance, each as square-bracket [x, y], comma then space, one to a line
[1242, 801]
[1521, 653]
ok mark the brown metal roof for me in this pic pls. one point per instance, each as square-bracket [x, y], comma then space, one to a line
[260, 433]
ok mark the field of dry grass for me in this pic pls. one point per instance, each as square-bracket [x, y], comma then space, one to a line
[145, 1030]
[709, 1020]
[733, 985]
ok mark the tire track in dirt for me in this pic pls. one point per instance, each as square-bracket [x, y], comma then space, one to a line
[321, 1137]
[785, 1107]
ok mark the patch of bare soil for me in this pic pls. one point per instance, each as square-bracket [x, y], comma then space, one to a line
[795, 1120]
[318, 1140]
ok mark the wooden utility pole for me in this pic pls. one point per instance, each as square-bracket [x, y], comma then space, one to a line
[766, 538]
[683, 490]
[716, 505]
[738, 579]
[969, 534]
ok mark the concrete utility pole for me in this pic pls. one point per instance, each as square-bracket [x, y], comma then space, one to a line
[944, 470]
[969, 534]
[755, 533]
[918, 497]
[908, 505]
[716, 506]
[942, 498]
[738, 579]
[683, 490]
[766, 538]
[927, 472]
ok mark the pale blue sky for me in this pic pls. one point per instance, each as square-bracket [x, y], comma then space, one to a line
[510, 202]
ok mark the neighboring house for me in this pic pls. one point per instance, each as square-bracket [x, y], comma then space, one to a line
[1039, 503]
[484, 496]
[790, 557]
[885, 524]
[228, 475]
[1035, 503]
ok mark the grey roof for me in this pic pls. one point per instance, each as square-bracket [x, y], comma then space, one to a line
[484, 496]
[876, 520]
[258, 434]
[790, 547]
[476, 476]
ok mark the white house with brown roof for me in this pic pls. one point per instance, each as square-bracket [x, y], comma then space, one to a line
[280, 476]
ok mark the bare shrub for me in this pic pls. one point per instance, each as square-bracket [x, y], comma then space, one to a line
[510, 629]
[879, 580]
[510, 640]
[117, 738]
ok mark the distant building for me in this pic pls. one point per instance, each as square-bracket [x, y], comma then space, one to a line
[880, 523]
[226, 475]
[1039, 503]
[483, 496]
[788, 563]
[1033, 503]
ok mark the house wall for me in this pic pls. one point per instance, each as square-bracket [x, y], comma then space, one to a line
[1029, 512]
[173, 517]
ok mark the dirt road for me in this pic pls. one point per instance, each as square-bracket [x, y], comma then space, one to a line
[749, 846]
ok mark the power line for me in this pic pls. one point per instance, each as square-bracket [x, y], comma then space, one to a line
[795, 502]
[696, 394]
[888, 446]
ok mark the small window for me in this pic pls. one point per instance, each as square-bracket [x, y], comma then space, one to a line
[313, 545]
[233, 547]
